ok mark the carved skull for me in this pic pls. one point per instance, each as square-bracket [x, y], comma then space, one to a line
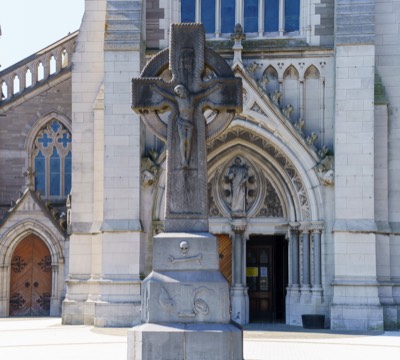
[184, 248]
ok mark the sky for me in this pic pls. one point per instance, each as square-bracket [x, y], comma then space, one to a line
[28, 26]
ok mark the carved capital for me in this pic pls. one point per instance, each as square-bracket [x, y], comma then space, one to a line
[239, 225]
[317, 227]
[294, 226]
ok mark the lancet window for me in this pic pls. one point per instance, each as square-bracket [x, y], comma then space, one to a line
[52, 158]
[258, 17]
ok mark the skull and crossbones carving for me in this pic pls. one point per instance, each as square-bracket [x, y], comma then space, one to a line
[184, 248]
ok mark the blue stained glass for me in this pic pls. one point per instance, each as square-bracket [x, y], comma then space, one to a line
[66, 138]
[208, 15]
[251, 16]
[292, 15]
[271, 16]
[188, 10]
[67, 173]
[55, 174]
[55, 125]
[40, 173]
[227, 16]
[45, 140]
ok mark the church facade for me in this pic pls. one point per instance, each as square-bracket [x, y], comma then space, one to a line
[303, 190]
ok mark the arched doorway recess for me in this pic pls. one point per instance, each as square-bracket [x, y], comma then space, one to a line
[30, 278]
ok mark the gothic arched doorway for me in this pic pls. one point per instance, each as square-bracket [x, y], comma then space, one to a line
[30, 278]
[267, 277]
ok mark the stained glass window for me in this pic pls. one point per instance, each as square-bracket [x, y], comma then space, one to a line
[251, 16]
[292, 15]
[227, 16]
[188, 11]
[271, 16]
[52, 160]
[208, 15]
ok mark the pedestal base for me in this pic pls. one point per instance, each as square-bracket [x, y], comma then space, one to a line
[176, 341]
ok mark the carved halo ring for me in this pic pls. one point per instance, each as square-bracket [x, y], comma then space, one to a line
[158, 64]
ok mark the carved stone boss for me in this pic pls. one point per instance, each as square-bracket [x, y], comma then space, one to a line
[187, 95]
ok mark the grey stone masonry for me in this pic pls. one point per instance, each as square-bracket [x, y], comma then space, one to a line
[355, 22]
[325, 30]
[123, 29]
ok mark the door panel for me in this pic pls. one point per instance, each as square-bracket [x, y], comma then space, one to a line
[225, 256]
[259, 278]
[31, 278]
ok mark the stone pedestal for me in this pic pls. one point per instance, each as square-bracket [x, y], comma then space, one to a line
[185, 304]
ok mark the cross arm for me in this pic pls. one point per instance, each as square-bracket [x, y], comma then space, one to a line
[226, 94]
[150, 94]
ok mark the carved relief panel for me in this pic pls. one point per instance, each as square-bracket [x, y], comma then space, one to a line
[242, 189]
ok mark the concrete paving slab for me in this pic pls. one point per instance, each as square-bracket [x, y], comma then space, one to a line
[46, 338]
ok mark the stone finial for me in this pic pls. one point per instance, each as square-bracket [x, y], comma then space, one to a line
[238, 36]
[29, 178]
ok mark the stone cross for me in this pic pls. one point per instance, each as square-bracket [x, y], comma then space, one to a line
[197, 79]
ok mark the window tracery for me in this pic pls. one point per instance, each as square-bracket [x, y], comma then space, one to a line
[260, 17]
[51, 159]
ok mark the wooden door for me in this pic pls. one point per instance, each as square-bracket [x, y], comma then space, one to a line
[225, 256]
[259, 279]
[31, 276]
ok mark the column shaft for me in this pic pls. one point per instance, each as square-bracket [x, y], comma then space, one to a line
[306, 260]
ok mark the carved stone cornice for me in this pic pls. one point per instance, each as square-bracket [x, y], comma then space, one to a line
[315, 226]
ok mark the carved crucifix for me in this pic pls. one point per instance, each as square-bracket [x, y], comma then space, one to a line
[187, 95]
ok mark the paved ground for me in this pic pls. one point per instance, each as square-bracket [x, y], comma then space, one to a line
[46, 338]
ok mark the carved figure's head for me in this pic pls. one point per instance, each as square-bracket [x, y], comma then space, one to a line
[184, 247]
[181, 91]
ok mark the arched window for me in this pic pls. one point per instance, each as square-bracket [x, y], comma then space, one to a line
[258, 17]
[28, 77]
[64, 58]
[52, 160]
[16, 85]
[53, 65]
[40, 71]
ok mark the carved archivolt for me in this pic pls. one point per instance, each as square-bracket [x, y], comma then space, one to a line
[265, 199]
[260, 196]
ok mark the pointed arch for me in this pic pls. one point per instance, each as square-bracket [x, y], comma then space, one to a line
[28, 77]
[291, 91]
[16, 84]
[52, 65]
[271, 78]
[21, 230]
[312, 101]
[4, 90]
[48, 146]
[9, 243]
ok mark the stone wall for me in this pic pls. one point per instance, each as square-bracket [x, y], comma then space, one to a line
[325, 29]
[14, 129]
